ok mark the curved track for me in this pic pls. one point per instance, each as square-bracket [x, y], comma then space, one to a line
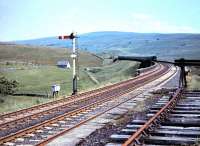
[45, 117]
[5, 118]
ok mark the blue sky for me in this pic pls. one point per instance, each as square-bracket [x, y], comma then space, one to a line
[27, 19]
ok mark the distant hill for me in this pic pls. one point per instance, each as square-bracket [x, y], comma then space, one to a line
[165, 46]
[44, 55]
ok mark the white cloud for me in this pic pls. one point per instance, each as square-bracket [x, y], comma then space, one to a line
[146, 23]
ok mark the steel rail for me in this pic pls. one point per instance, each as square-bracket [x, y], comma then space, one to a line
[72, 98]
[122, 93]
[42, 143]
[68, 103]
[35, 127]
[46, 141]
[162, 113]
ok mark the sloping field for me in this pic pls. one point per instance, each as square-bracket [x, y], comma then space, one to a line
[44, 55]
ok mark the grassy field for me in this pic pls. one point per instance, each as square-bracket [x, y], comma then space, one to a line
[39, 80]
[13, 103]
[37, 74]
[115, 72]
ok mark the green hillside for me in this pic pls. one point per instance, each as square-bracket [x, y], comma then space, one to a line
[44, 55]
[165, 46]
[37, 72]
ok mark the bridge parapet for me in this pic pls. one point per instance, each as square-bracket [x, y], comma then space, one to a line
[145, 61]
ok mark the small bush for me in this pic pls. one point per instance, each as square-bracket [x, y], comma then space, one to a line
[7, 87]
[37, 101]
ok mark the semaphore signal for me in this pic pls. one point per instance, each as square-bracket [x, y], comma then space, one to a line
[64, 37]
[73, 37]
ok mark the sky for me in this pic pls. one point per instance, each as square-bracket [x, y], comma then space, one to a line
[29, 19]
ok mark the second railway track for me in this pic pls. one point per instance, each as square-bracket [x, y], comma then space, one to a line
[173, 120]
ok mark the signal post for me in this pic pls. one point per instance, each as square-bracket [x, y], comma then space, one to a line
[73, 37]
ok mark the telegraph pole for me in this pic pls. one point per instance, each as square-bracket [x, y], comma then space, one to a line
[73, 37]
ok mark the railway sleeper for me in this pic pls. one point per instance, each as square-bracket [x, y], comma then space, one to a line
[190, 94]
[119, 137]
[187, 108]
[134, 126]
[191, 112]
[176, 108]
[184, 122]
[140, 122]
[168, 140]
[173, 133]
[185, 115]
[179, 128]
[128, 131]
[185, 112]
[189, 103]
[196, 104]
[113, 144]
[179, 115]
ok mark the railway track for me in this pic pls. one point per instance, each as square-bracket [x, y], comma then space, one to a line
[173, 120]
[36, 114]
[37, 127]
[5, 118]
